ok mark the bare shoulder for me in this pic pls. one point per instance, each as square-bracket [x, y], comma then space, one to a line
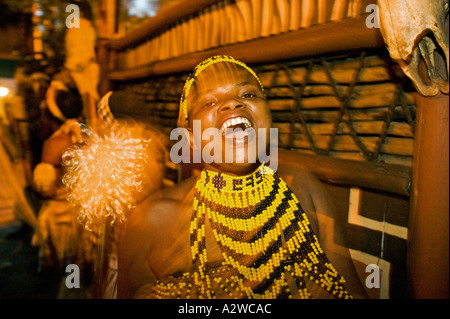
[298, 173]
[302, 180]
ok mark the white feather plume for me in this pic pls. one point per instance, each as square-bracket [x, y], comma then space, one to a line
[109, 174]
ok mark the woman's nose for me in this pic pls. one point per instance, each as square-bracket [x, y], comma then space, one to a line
[231, 104]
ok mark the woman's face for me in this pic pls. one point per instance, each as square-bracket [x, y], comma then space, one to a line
[229, 98]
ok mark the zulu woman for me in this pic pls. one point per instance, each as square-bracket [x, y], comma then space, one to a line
[239, 229]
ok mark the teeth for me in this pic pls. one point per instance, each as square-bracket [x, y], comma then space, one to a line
[235, 121]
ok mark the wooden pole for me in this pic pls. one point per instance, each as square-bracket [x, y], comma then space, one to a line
[106, 28]
[428, 250]
[103, 55]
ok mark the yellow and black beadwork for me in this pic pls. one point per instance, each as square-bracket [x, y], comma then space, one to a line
[264, 236]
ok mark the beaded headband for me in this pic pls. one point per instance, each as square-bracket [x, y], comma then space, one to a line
[199, 68]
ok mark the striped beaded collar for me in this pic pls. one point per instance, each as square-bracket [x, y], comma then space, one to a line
[251, 216]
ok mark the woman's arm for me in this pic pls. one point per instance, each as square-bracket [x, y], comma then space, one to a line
[134, 247]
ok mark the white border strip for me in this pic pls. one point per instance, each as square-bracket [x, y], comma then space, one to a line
[356, 219]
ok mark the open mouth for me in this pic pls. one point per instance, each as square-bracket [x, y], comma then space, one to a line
[236, 127]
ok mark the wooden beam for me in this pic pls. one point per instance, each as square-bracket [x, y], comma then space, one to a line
[346, 35]
[390, 178]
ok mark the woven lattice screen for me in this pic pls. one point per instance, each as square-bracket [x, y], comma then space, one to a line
[349, 107]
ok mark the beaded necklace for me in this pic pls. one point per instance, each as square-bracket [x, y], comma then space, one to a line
[264, 236]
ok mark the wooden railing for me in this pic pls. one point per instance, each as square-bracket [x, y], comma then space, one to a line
[394, 179]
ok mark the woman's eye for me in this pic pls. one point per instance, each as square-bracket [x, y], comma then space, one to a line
[248, 95]
[209, 104]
